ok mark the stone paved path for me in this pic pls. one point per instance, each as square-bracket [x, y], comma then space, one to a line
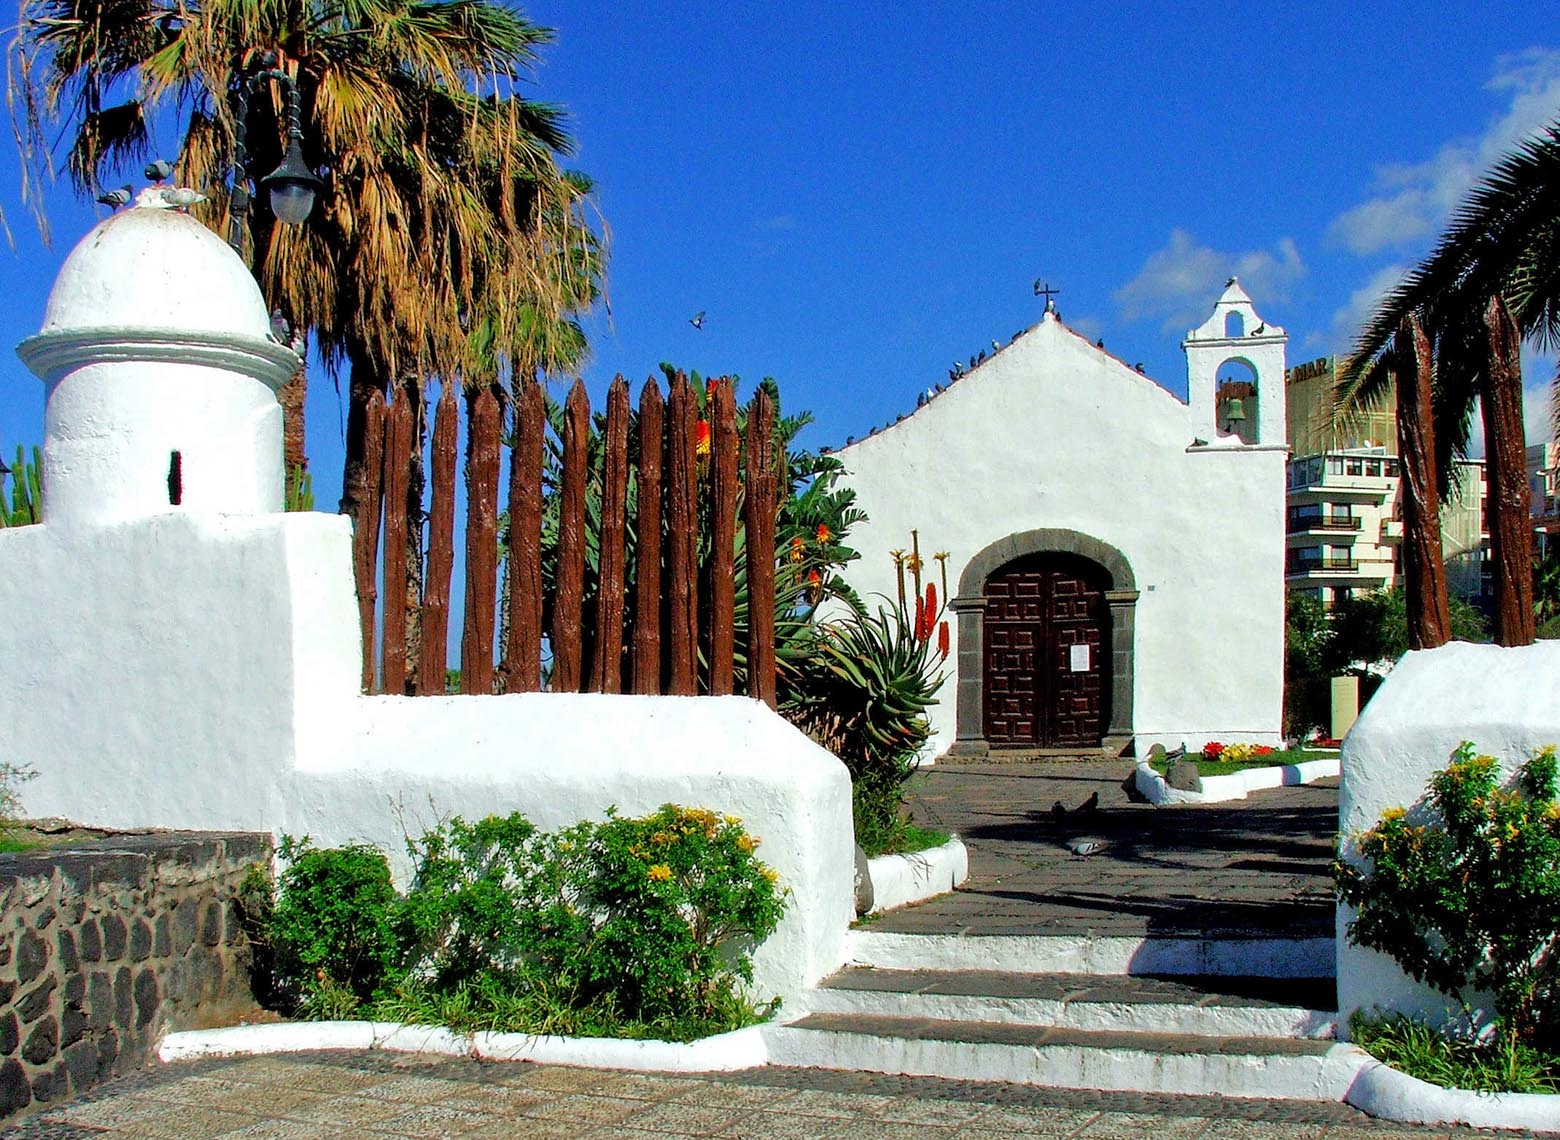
[1255, 866]
[376, 1096]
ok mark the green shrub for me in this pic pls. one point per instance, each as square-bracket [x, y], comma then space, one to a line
[465, 914]
[680, 898]
[1465, 893]
[629, 927]
[331, 928]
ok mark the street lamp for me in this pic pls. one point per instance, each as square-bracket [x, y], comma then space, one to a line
[292, 186]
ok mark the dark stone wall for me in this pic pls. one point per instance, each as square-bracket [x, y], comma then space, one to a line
[107, 945]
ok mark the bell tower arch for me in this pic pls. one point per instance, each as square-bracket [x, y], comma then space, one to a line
[1235, 374]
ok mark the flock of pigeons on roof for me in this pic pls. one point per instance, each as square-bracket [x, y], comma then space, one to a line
[955, 374]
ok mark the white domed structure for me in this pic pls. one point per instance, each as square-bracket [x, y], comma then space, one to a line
[161, 374]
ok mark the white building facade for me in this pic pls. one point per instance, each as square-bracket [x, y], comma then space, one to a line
[1116, 556]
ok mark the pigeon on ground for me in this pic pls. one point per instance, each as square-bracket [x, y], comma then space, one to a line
[1058, 812]
[116, 198]
[159, 171]
[1082, 848]
[1090, 804]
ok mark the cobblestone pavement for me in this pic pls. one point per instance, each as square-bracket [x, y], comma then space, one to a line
[324, 1096]
[1255, 866]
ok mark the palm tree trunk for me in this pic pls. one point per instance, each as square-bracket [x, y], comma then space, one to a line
[361, 386]
[1505, 467]
[291, 397]
[1424, 572]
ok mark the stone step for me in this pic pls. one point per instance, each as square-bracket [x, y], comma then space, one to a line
[1203, 1006]
[1058, 1057]
[1222, 955]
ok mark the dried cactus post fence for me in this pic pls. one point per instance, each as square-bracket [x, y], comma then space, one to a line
[618, 559]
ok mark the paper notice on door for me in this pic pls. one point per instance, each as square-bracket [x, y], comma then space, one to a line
[1079, 658]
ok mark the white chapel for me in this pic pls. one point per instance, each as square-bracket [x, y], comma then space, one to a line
[1115, 556]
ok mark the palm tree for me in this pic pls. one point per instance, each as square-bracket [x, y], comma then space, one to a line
[400, 98]
[1492, 279]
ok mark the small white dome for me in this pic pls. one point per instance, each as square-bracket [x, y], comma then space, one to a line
[149, 267]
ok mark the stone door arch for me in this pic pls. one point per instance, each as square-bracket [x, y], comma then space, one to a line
[1032, 559]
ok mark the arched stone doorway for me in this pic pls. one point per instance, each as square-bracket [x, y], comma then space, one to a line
[1046, 621]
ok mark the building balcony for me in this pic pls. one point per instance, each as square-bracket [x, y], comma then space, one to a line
[1300, 523]
[1391, 530]
[1295, 567]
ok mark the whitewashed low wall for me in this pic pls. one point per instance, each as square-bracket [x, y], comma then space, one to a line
[563, 757]
[200, 671]
[1504, 701]
[1233, 786]
[1384, 1092]
[899, 880]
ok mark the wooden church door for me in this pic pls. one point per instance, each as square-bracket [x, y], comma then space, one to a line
[1045, 653]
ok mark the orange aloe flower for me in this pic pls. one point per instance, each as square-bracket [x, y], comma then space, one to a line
[824, 533]
[701, 439]
[798, 550]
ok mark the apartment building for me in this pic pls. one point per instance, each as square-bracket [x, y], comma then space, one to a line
[1344, 516]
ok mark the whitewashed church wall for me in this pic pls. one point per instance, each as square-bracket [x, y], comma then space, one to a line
[1053, 433]
[1503, 701]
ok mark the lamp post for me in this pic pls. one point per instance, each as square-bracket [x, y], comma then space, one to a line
[292, 185]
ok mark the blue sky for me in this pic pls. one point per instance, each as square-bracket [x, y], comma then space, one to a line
[858, 195]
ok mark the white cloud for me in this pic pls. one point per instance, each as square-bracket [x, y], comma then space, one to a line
[1348, 320]
[1415, 200]
[1179, 283]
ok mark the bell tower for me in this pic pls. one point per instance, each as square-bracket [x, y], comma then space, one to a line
[1235, 374]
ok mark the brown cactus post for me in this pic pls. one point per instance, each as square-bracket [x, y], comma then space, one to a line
[606, 671]
[411, 390]
[1424, 573]
[647, 573]
[434, 653]
[365, 539]
[723, 531]
[523, 654]
[682, 535]
[484, 440]
[397, 472]
[759, 508]
[569, 602]
[1505, 469]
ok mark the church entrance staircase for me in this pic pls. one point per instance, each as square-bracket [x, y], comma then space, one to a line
[1191, 953]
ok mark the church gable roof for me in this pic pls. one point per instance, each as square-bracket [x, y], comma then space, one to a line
[1051, 371]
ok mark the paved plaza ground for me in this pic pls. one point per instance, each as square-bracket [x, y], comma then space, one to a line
[1253, 866]
[378, 1096]
[1257, 866]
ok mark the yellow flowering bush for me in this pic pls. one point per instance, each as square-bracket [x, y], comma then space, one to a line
[642, 925]
[1465, 892]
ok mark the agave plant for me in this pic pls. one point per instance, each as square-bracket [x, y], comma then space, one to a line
[864, 689]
